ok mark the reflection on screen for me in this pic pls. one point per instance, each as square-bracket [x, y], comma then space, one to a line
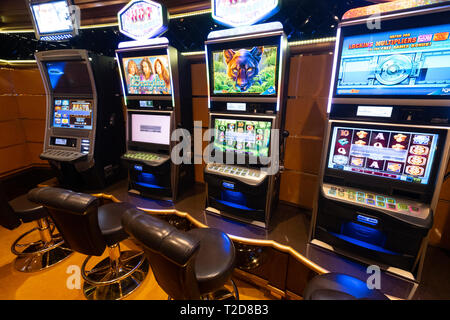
[69, 77]
[242, 136]
[405, 156]
[72, 114]
[52, 17]
[147, 75]
[150, 129]
[404, 62]
[248, 71]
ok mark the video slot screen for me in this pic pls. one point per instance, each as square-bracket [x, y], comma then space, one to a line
[73, 114]
[412, 61]
[242, 136]
[150, 128]
[249, 71]
[52, 17]
[69, 77]
[400, 155]
[149, 75]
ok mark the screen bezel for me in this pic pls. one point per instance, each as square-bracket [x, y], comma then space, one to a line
[255, 159]
[250, 43]
[369, 181]
[147, 145]
[72, 30]
[91, 102]
[143, 53]
[388, 25]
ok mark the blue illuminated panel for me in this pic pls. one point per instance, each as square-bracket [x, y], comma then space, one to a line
[404, 62]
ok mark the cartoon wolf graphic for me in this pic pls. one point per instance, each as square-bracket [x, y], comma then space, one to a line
[243, 66]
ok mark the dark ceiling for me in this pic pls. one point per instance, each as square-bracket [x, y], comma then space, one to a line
[302, 20]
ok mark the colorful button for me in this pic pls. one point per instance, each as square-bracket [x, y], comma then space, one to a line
[414, 209]
[370, 196]
[402, 206]
[380, 204]
[351, 196]
[332, 192]
[341, 194]
[370, 201]
[360, 199]
[390, 200]
[391, 206]
[360, 194]
[381, 199]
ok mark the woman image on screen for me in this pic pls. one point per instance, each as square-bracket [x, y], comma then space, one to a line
[163, 75]
[147, 75]
[133, 78]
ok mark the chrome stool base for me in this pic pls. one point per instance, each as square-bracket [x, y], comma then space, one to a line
[35, 258]
[106, 282]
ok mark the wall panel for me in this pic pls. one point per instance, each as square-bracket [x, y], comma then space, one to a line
[11, 133]
[9, 109]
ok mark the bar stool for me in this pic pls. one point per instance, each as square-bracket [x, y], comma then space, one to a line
[40, 254]
[189, 265]
[89, 229]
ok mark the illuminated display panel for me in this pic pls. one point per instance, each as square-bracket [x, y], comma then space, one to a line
[400, 155]
[248, 71]
[150, 128]
[414, 61]
[242, 136]
[147, 75]
[143, 19]
[72, 114]
[52, 17]
[69, 77]
[243, 12]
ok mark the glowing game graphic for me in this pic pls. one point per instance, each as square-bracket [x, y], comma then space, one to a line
[405, 62]
[406, 156]
[242, 136]
[72, 114]
[249, 71]
[52, 17]
[147, 75]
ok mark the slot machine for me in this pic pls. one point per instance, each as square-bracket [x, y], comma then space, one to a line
[387, 142]
[246, 69]
[156, 103]
[84, 119]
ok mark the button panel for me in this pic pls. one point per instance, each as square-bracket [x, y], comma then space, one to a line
[362, 198]
[242, 173]
[144, 157]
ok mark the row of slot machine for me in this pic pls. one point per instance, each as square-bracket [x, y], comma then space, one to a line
[386, 144]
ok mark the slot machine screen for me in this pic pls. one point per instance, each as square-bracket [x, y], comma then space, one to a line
[72, 114]
[247, 71]
[406, 156]
[150, 128]
[69, 77]
[147, 75]
[242, 136]
[410, 61]
[52, 17]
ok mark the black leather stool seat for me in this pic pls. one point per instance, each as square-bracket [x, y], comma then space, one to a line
[337, 286]
[215, 260]
[110, 221]
[26, 210]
